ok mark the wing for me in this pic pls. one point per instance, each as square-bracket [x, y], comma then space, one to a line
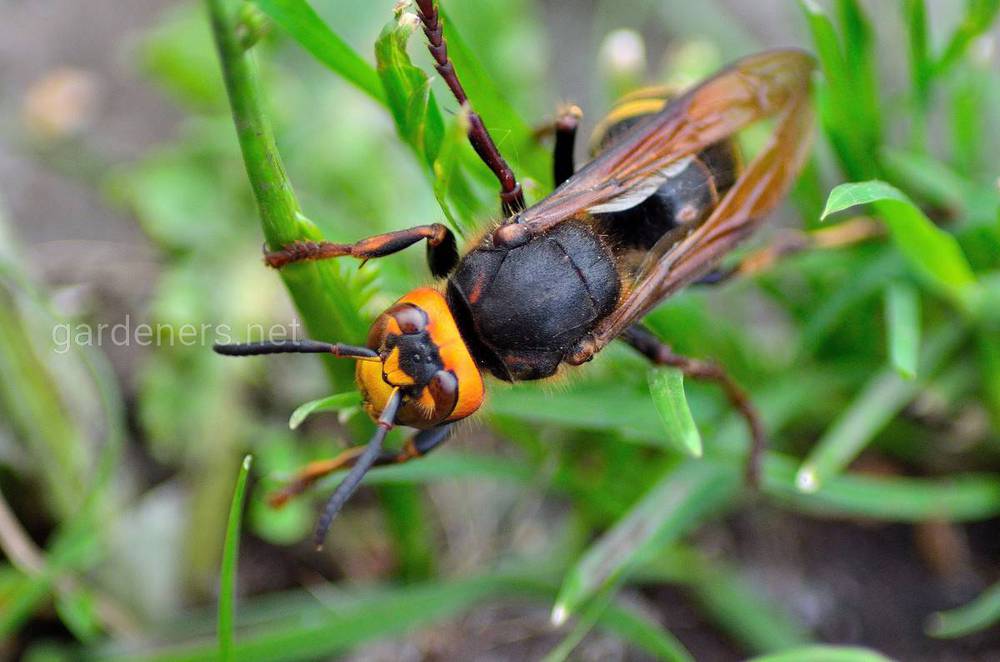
[629, 172]
[672, 264]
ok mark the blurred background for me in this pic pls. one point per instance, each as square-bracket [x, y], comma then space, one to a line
[126, 219]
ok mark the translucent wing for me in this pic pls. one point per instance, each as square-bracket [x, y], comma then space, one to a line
[674, 263]
[623, 176]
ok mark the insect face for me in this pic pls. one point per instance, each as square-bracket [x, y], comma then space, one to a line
[423, 355]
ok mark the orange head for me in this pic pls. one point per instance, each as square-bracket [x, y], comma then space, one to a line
[421, 353]
[415, 365]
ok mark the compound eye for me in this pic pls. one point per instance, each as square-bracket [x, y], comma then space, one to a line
[444, 390]
[409, 318]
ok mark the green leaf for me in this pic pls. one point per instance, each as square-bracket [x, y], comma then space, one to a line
[666, 385]
[230, 554]
[408, 92]
[445, 168]
[978, 615]
[330, 403]
[902, 312]
[824, 653]
[932, 252]
[878, 402]
[956, 498]
[677, 503]
[302, 22]
[845, 196]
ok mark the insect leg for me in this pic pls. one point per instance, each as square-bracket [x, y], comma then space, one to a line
[511, 196]
[417, 446]
[646, 343]
[563, 165]
[442, 252]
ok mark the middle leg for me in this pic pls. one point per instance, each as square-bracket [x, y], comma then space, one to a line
[646, 343]
[416, 446]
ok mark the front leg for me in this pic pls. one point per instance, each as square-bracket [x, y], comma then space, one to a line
[417, 446]
[442, 252]
[646, 343]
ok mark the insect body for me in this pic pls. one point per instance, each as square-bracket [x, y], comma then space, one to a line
[662, 201]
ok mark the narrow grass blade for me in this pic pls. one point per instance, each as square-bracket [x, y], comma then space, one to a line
[824, 653]
[27, 594]
[959, 498]
[828, 48]
[636, 629]
[859, 58]
[582, 407]
[981, 613]
[340, 622]
[989, 353]
[836, 96]
[979, 15]
[902, 312]
[329, 403]
[728, 600]
[304, 25]
[921, 64]
[927, 177]
[932, 252]
[969, 111]
[78, 612]
[230, 553]
[877, 403]
[666, 385]
[627, 624]
[588, 618]
[679, 502]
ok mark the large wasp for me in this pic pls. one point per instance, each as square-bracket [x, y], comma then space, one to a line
[663, 200]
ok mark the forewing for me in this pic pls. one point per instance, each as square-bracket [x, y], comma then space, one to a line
[629, 172]
[673, 264]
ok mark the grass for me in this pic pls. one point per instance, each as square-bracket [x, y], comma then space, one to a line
[865, 356]
[230, 555]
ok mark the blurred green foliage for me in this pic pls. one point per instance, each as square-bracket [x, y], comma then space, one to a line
[849, 339]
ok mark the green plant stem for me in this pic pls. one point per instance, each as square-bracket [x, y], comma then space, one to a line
[319, 289]
[279, 208]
